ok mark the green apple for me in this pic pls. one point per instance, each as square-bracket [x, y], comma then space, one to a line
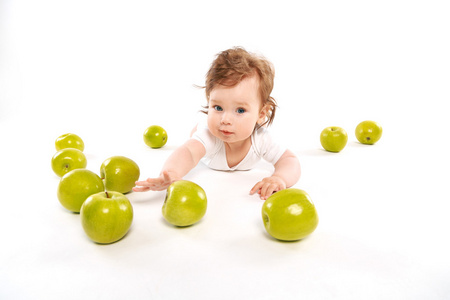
[69, 140]
[76, 186]
[155, 136]
[185, 203]
[68, 159]
[368, 132]
[119, 173]
[333, 138]
[106, 217]
[289, 215]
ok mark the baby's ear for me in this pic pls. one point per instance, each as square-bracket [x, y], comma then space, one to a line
[263, 114]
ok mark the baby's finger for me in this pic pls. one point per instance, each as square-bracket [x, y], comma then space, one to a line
[256, 188]
[141, 183]
[140, 189]
[264, 191]
[268, 190]
[166, 176]
[155, 182]
[160, 188]
[167, 180]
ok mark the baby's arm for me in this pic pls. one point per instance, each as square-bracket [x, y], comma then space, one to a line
[286, 174]
[179, 163]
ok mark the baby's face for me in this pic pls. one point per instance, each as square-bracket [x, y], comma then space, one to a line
[234, 111]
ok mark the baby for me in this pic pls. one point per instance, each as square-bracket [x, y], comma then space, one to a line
[234, 136]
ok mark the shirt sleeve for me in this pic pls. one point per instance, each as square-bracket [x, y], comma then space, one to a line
[203, 135]
[267, 147]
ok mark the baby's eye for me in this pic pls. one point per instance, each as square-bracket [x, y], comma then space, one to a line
[217, 107]
[240, 110]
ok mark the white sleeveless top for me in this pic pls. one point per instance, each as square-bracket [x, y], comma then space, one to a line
[263, 146]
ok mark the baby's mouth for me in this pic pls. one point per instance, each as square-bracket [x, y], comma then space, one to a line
[226, 132]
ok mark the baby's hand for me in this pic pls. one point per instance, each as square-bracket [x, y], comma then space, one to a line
[268, 186]
[154, 184]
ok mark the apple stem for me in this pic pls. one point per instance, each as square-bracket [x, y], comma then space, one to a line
[107, 195]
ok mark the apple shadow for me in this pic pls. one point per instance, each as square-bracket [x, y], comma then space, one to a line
[317, 152]
[169, 225]
[142, 197]
[360, 145]
[112, 243]
[271, 238]
[163, 148]
[65, 210]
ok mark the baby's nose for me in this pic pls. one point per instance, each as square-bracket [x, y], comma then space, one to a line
[226, 119]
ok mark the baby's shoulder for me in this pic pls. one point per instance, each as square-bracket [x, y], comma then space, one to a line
[266, 146]
[261, 135]
[203, 135]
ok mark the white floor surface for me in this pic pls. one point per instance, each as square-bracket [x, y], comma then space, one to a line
[106, 70]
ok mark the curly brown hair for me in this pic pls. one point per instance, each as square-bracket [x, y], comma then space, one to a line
[231, 66]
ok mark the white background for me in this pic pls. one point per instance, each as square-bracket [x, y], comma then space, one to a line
[106, 70]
